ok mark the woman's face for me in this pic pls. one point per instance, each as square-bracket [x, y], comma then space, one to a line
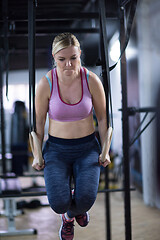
[68, 60]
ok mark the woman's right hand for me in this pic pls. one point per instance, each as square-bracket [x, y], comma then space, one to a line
[106, 161]
[36, 165]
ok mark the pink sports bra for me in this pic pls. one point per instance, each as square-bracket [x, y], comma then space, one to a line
[64, 112]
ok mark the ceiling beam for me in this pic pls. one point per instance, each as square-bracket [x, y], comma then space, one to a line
[67, 16]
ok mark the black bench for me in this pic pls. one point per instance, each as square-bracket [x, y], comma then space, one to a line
[10, 190]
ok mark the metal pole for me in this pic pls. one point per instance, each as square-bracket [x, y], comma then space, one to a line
[31, 62]
[62, 16]
[106, 83]
[2, 126]
[125, 132]
[5, 43]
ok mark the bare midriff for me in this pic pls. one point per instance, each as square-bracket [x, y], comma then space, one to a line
[73, 129]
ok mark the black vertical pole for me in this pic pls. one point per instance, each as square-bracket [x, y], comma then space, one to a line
[5, 40]
[2, 126]
[125, 132]
[31, 62]
[2, 120]
[106, 83]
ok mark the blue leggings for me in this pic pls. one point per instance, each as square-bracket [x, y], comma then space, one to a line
[71, 161]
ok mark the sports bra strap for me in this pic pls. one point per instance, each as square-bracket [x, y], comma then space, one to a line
[49, 81]
[87, 74]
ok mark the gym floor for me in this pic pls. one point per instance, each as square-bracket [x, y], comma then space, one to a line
[145, 220]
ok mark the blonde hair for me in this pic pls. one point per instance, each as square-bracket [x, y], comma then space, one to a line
[64, 40]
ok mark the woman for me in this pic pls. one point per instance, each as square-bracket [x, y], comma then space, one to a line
[71, 154]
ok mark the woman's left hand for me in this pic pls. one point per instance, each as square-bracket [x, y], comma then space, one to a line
[36, 164]
[106, 162]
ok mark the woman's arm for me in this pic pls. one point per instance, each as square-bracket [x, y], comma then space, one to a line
[41, 108]
[99, 103]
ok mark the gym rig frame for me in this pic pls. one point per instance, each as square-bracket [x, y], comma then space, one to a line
[126, 112]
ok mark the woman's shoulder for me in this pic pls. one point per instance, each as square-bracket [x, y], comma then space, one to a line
[49, 74]
[94, 82]
[44, 81]
[93, 78]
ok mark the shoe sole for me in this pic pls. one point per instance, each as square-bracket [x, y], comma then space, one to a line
[88, 217]
[60, 228]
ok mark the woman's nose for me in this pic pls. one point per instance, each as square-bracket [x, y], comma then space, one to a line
[68, 63]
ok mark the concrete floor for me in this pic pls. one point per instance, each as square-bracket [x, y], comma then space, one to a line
[145, 221]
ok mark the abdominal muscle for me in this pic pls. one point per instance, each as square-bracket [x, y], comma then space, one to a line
[73, 129]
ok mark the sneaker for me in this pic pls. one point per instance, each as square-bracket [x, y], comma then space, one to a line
[66, 231]
[83, 219]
